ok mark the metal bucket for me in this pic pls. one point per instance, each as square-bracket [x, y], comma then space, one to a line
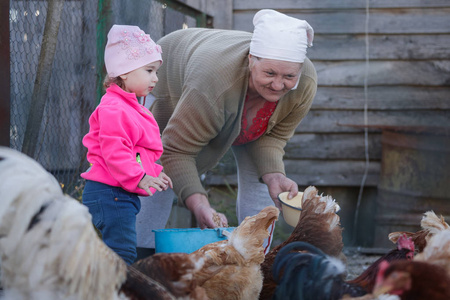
[414, 178]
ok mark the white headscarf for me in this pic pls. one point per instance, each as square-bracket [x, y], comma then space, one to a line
[278, 36]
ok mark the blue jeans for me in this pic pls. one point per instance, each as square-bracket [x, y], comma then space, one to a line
[114, 213]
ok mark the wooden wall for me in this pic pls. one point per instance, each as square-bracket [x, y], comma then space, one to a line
[220, 10]
[408, 78]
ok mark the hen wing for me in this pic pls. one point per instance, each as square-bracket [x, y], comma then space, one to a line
[175, 271]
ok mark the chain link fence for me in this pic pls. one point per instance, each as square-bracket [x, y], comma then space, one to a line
[77, 71]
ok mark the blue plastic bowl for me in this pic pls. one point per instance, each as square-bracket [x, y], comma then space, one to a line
[187, 240]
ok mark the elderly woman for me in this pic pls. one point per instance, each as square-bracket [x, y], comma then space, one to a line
[225, 88]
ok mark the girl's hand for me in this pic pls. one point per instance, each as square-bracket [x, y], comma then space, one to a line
[158, 183]
[166, 179]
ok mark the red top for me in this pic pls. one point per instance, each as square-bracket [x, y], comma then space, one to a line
[258, 126]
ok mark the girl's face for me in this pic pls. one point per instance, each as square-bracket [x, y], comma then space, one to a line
[141, 81]
[272, 79]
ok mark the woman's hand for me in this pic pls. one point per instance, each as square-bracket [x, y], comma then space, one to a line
[160, 183]
[278, 183]
[199, 205]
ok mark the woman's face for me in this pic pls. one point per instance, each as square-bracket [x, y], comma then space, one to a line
[271, 78]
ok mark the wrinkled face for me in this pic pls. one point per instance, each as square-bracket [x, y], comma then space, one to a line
[271, 78]
[141, 81]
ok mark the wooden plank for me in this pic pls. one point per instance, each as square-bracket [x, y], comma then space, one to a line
[382, 21]
[383, 98]
[332, 146]
[352, 73]
[385, 47]
[329, 121]
[317, 173]
[330, 172]
[333, 4]
[220, 10]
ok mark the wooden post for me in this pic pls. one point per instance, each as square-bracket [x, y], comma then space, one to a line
[43, 76]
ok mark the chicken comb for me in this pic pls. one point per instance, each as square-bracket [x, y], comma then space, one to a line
[404, 242]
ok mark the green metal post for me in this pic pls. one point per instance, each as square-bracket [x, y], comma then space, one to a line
[104, 12]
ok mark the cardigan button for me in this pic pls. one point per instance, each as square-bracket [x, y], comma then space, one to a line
[115, 199]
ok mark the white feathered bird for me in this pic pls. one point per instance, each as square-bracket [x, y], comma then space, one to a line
[48, 246]
[437, 250]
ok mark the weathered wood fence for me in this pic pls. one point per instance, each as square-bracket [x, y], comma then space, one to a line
[406, 73]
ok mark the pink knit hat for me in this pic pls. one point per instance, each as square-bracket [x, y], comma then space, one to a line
[128, 49]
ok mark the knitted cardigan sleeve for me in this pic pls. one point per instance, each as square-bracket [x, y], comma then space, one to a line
[196, 123]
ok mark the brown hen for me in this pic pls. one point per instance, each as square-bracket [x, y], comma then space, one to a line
[430, 270]
[431, 224]
[228, 269]
[232, 268]
[426, 281]
[319, 225]
[404, 251]
[141, 287]
[409, 280]
[176, 272]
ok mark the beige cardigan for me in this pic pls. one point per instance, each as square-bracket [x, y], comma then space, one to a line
[199, 101]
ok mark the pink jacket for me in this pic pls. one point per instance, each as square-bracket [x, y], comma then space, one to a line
[120, 130]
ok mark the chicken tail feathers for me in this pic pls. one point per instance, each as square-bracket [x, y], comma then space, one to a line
[306, 275]
[433, 223]
[141, 286]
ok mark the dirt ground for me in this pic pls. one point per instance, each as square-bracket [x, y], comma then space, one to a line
[358, 260]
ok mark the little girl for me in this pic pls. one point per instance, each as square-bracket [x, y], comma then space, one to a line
[124, 141]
